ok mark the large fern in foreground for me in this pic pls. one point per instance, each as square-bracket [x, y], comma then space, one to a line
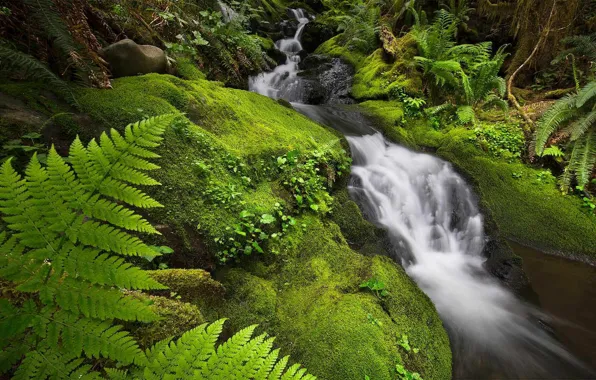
[68, 227]
[194, 356]
[574, 118]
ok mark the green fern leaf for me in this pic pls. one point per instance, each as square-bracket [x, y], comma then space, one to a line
[13, 60]
[586, 94]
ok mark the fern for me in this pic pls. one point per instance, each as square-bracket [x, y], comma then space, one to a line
[48, 17]
[14, 60]
[575, 117]
[194, 356]
[63, 232]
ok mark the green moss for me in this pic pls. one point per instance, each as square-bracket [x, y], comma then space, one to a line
[524, 202]
[232, 133]
[348, 217]
[175, 318]
[188, 69]
[189, 284]
[310, 299]
[376, 77]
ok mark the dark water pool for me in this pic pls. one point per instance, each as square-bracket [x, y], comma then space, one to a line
[566, 290]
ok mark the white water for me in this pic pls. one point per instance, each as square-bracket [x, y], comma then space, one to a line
[435, 223]
[282, 83]
[227, 12]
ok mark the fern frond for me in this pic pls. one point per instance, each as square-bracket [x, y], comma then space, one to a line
[14, 60]
[561, 111]
[586, 94]
[466, 114]
[194, 356]
[98, 302]
[42, 364]
[583, 158]
[60, 232]
[93, 338]
[580, 126]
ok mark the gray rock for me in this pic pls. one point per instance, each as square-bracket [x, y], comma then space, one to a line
[127, 58]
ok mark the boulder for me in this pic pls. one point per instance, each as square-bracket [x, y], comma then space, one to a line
[127, 58]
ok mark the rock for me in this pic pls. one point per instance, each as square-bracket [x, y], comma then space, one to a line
[127, 58]
[314, 61]
[315, 33]
[285, 103]
[278, 56]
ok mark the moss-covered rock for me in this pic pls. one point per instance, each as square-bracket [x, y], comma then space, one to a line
[176, 317]
[310, 299]
[377, 76]
[215, 162]
[190, 284]
[524, 201]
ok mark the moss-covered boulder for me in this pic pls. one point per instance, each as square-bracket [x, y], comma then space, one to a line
[311, 300]
[175, 318]
[376, 75]
[190, 284]
[220, 160]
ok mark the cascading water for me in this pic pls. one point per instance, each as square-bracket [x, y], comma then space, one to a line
[282, 82]
[437, 229]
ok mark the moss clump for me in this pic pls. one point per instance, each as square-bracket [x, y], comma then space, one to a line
[354, 227]
[310, 299]
[188, 69]
[190, 284]
[175, 318]
[524, 201]
[376, 77]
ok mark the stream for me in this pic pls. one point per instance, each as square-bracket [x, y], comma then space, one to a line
[437, 232]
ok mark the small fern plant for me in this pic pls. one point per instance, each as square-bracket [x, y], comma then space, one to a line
[194, 356]
[572, 118]
[67, 228]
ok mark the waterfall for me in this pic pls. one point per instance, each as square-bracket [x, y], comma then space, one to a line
[227, 12]
[437, 229]
[282, 82]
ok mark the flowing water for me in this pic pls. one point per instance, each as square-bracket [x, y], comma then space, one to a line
[437, 230]
[282, 82]
[434, 221]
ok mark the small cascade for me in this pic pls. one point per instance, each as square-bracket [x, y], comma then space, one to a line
[282, 82]
[227, 12]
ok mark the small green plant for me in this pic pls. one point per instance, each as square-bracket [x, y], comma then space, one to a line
[404, 374]
[374, 321]
[228, 196]
[375, 286]
[505, 140]
[517, 175]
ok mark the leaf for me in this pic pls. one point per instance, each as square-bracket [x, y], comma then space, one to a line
[267, 219]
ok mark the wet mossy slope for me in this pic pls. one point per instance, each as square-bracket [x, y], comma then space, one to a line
[310, 299]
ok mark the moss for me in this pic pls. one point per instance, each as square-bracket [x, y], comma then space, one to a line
[188, 69]
[189, 284]
[348, 217]
[232, 133]
[310, 299]
[376, 77]
[175, 318]
[523, 201]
